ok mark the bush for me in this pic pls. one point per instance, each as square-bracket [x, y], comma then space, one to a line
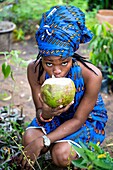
[93, 158]
[100, 4]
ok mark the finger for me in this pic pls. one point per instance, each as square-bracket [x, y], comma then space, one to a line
[24, 162]
[19, 159]
[71, 102]
[59, 108]
[67, 107]
[40, 98]
[42, 101]
[29, 165]
[57, 111]
[22, 168]
[58, 114]
[54, 111]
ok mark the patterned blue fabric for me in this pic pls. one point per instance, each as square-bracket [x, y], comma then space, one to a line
[93, 128]
[61, 31]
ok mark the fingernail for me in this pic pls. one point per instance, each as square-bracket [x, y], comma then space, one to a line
[72, 102]
[61, 106]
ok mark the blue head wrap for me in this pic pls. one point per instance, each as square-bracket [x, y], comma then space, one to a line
[61, 31]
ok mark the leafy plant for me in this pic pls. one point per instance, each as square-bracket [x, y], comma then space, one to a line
[11, 147]
[11, 131]
[90, 17]
[102, 46]
[8, 149]
[12, 58]
[100, 4]
[101, 53]
[10, 62]
[18, 34]
[93, 159]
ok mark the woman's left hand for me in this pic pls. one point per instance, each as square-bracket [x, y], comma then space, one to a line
[30, 154]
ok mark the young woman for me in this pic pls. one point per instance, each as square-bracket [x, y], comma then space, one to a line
[61, 31]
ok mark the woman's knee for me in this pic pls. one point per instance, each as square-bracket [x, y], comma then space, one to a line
[63, 154]
[30, 135]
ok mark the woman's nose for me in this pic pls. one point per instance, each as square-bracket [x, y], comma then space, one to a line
[56, 70]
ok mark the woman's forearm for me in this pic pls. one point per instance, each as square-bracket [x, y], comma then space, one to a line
[65, 129]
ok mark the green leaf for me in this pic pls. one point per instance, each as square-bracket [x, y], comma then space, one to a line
[102, 164]
[91, 155]
[98, 30]
[12, 76]
[110, 76]
[6, 70]
[80, 151]
[96, 148]
[78, 163]
[104, 29]
[94, 28]
[108, 25]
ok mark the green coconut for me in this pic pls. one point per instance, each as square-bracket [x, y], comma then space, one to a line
[58, 91]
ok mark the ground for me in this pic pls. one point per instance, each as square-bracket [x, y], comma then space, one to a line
[20, 90]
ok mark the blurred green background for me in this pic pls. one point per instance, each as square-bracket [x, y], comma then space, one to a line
[26, 14]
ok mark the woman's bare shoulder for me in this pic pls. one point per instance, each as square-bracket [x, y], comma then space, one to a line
[90, 75]
[32, 66]
[33, 73]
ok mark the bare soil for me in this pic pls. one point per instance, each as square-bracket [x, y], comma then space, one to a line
[21, 94]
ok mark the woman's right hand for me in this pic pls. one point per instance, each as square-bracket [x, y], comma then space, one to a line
[49, 112]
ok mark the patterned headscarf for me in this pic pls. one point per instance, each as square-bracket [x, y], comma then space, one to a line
[61, 31]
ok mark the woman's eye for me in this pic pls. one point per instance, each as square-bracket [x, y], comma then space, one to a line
[64, 63]
[49, 64]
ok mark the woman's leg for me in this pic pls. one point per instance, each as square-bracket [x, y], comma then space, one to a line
[62, 154]
[30, 135]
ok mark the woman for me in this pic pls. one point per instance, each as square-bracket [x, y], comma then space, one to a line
[61, 31]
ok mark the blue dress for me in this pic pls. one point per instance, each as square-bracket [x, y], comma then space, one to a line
[93, 129]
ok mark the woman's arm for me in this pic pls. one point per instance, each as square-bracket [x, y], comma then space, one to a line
[35, 85]
[36, 91]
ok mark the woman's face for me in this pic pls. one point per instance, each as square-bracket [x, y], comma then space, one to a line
[57, 66]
